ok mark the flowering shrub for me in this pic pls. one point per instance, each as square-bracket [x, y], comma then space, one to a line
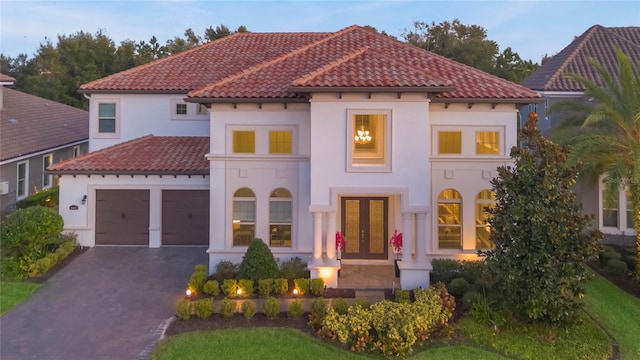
[341, 241]
[396, 242]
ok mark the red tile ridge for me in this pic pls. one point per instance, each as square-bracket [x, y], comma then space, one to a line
[201, 92]
[89, 85]
[99, 152]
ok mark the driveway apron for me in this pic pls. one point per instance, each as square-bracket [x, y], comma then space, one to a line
[108, 303]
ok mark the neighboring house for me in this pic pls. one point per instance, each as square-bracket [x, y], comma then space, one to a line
[551, 81]
[291, 137]
[35, 133]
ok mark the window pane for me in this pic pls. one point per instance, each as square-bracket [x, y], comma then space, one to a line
[107, 125]
[243, 234]
[22, 181]
[630, 217]
[280, 142]
[280, 212]
[181, 109]
[280, 235]
[487, 142]
[244, 211]
[373, 150]
[22, 169]
[449, 194]
[484, 200]
[280, 193]
[106, 110]
[244, 142]
[609, 211]
[449, 142]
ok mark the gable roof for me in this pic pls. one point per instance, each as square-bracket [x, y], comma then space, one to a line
[6, 79]
[597, 42]
[148, 155]
[244, 67]
[29, 124]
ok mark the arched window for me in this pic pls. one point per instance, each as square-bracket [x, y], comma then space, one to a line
[244, 217]
[485, 199]
[449, 219]
[280, 218]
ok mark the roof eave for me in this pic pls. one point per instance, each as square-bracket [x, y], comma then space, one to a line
[128, 172]
[489, 100]
[135, 91]
[204, 100]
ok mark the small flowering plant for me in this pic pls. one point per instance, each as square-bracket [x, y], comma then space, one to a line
[396, 242]
[341, 241]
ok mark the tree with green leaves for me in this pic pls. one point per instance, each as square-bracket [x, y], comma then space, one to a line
[541, 236]
[604, 131]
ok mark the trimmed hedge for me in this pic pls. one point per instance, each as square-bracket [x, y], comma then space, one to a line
[47, 198]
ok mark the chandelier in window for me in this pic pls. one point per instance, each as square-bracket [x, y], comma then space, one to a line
[363, 136]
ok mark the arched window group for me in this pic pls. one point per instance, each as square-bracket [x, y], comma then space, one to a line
[450, 231]
[244, 217]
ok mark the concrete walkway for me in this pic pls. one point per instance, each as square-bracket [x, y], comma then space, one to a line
[108, 303]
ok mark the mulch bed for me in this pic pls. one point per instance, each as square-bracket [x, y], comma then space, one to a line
[625, 282]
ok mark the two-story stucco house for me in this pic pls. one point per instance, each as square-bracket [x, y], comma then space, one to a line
[551, 80]
[34, 133]
[292, 137]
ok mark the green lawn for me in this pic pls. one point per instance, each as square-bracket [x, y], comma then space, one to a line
[618, 312]
[282, 343]
[12, 293]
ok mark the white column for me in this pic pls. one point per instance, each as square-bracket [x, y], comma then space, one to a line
[317, 235]
[421, 237]
[407, 237]
[331, 235]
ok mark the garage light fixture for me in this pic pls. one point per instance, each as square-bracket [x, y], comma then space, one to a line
[84, 199]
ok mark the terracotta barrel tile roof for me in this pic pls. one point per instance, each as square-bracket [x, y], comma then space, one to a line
[30, 124]
[6, 78]
[271, 66]
[597, 42]
[171, 155]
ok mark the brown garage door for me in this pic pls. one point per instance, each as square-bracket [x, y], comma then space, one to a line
[185, 217]
[122, 217]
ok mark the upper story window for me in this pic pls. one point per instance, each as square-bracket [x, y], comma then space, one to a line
[487, 142]
[181, 109]
[449, 142]
[107, 118]
[449, 219]
[280, 218]
[22, 180]
[369, 140]
[46, 179]
[244, 141]
[280, 142]
[244, 217]
[75, 152]
[484, 200]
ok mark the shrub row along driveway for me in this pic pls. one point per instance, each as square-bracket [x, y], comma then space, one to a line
[108, 303]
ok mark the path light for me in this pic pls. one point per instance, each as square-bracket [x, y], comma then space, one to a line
[239, 292]
[188, 292]
[295, 292]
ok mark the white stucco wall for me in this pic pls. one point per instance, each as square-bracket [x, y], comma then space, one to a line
[143, 114]
[82, 221]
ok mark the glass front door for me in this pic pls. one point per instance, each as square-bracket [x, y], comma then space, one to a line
[364, 225]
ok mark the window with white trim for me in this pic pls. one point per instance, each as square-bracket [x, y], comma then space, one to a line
[244, 141]
[280, 218]
[449, 142]
[487, 142]
[107, 118]
[369, 140]
[630, 217]
[280, 142]
[180, 109]
[244, 217]
[484, 200]
[22, 180]
[75, 152]
[449, 219]
[47, 160]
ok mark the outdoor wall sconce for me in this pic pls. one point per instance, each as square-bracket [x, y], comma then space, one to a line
[84, 199]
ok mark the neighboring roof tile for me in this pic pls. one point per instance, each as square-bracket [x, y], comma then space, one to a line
[6, 78]
[171, 155]
[597, 42]
[266, 65]
[204, 64]
[30, 124]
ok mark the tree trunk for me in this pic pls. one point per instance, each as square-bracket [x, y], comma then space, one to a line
[635, 203]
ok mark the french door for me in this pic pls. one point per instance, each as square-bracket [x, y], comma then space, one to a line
[364, 225]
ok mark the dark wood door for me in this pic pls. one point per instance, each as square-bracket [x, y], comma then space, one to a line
[185, 217]
[122, 217]
[364, 225]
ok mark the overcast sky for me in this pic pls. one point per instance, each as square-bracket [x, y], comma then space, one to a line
[532, 28]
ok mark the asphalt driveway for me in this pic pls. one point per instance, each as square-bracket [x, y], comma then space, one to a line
[108, 303]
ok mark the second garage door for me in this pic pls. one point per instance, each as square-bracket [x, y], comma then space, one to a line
[122, 217]
[185, 217]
